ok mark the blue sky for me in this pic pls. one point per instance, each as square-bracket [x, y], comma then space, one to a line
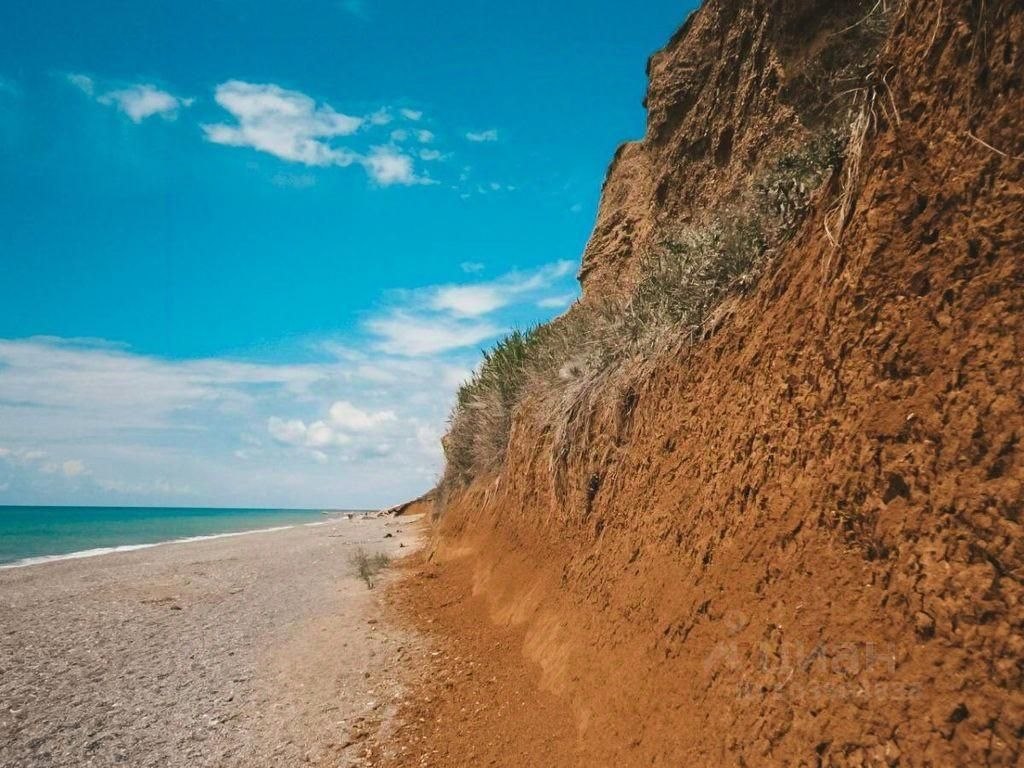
[248, 249]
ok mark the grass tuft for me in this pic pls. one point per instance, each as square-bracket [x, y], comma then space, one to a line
[368, 566]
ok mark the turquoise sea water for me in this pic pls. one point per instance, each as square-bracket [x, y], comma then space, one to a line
[28, 533]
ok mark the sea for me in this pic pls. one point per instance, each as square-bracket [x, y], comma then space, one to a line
[33, 535]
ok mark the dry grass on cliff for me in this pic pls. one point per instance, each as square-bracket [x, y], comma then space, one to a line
[564, 366]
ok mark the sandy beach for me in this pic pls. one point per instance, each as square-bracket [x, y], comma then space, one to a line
[257, 650]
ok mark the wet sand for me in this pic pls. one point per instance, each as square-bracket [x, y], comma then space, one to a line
[256, 650]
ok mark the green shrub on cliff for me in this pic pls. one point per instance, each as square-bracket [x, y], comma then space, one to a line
[479, 426]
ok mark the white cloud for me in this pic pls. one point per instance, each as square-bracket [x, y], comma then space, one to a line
[411, 114]
[471, 267]
[387, 166]
[291, 126]
[344, 415]
[446, 317]
[148, 430]
[91, 380]
[141, 101]
[322, 439]
[320, 434]
[380, 117]
[357, 426]
[287, 124]
[483, 136]
[295, 432]
[482, 298]
[430, 154]
[22, 456]
[401, 333]
[424, 136]
[469, 300]
[292, 432]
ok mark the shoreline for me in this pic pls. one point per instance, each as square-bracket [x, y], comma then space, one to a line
[234, 650]
[82, 554]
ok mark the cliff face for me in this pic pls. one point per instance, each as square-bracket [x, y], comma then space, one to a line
[797, 542]
[737, 83]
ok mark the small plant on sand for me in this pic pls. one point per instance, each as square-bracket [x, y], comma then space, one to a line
[368, 566]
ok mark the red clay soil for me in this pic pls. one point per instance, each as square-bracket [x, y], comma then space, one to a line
[475, 683]
[798, 542]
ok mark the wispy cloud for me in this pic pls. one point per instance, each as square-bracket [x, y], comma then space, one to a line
[382, 116]
[403, 333]
[483, 136]
[455, 316]
[137, 101]
[470, 300]
[142, 101]
[411, 114]
[84, 83]
[345, 415]
[40, 461]
[87, 422]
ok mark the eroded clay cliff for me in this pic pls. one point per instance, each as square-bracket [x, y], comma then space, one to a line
[797, 541]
